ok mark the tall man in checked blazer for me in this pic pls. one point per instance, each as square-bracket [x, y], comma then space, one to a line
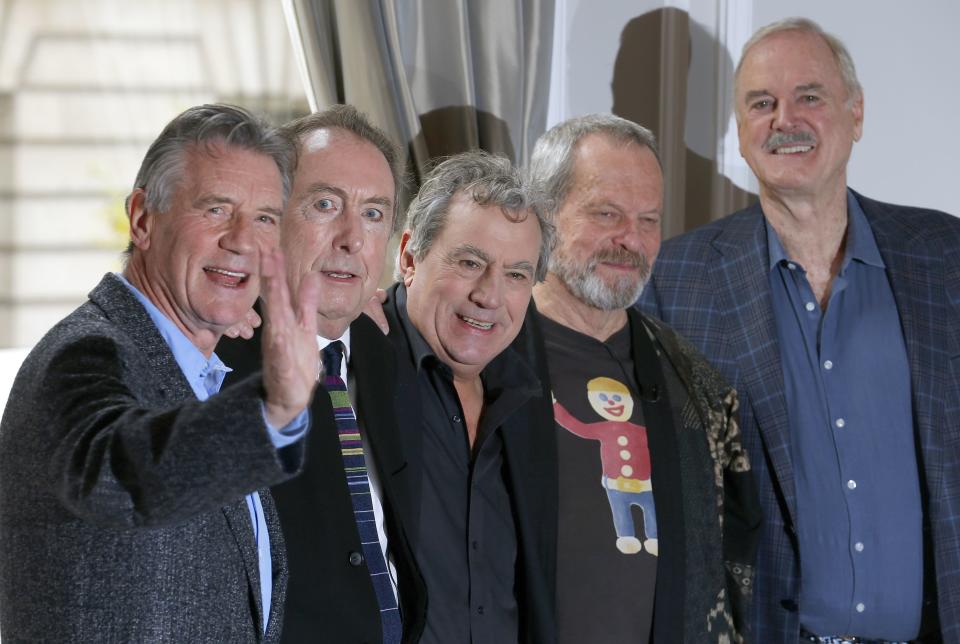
[133, 500]
[338, 221]
[836, 318]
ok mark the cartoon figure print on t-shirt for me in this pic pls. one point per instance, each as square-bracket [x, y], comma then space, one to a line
[624, 459]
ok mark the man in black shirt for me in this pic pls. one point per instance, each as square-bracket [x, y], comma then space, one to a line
[658, 515]
[475, 422]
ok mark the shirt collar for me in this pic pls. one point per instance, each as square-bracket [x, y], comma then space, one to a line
[861, 244]
[204, 375]
[322, 343]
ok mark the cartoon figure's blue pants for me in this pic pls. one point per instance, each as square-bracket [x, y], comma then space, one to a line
[620, 503]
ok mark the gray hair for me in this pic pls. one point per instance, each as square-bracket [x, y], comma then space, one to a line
[551, 165]
[848, 72]
[162, 167]
[490, 181]
[349, 119]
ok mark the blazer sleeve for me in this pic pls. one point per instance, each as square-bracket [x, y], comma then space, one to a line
[126, 451]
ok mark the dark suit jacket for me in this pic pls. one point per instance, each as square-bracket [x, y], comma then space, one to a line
[711, 285]
[328, 597]
[122, 516]
[530, 454]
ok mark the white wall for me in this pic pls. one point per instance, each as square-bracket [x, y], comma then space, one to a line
[906, 55]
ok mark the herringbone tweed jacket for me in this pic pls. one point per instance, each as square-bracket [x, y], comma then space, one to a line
[122, 512]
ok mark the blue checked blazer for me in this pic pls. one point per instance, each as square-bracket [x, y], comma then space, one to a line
[711, 285]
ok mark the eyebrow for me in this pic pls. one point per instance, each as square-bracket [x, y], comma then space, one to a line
[209, 200]
[319, 187]
[470, 249]
[757, 93]
[808, 87]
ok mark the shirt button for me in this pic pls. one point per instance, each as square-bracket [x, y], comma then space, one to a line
[622, 441]
[480, 610]
[355, 558]
[827, 364]
[627, 471]
[791, 266]
[851, 484]
[625, 454]
[810, 306]
[475, 545]
[858, 546]
[861, 607]
[456, 418]
[840, 423]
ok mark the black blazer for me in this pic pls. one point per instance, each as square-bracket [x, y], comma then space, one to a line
[328, 597]
[530, 453]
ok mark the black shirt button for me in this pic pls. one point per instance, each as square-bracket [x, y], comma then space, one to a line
[356, 558]
[479, 610]
[475, 544]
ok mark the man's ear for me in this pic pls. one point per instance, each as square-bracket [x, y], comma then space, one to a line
[141, 221]
[405, 259]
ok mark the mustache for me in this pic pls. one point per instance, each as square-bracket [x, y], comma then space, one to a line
[620, 256]
[788, 138]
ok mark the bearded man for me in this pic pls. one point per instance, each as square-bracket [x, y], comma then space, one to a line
[662, 549]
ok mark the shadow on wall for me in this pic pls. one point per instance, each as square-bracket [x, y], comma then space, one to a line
[695, 192]
[444, 132]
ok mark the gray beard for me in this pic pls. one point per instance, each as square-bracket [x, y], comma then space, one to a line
[588, 287]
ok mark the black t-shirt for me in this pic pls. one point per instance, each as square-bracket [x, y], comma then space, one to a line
[607, 564]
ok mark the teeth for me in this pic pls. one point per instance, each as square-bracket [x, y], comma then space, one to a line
[793, 149]
[339, 275]
[223, 271]
[477, 323]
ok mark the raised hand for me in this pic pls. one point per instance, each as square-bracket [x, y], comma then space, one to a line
[291, 361]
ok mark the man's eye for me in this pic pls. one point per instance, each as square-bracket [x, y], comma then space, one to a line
[761, 104]
[267, 219]
[810, 98]
[372, 214]
[517, 276]
[469, 264]
[325, 204]
[216, 210]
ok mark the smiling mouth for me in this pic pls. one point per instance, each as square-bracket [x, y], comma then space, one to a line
[476, 324]
[793, 149]
[224, 277]
[615, 411]
[339, 276]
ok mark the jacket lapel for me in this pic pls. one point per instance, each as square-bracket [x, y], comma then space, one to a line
[238, 518]
[742, 286]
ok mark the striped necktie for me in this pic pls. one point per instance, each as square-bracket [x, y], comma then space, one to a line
[354, 464]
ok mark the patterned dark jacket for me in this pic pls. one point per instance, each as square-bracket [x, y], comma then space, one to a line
[708, 513]
[122, 512]
[711, 286]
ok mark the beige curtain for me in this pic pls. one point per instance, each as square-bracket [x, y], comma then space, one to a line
[441, 76]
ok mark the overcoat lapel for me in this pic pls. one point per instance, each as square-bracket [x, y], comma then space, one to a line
[238, 517]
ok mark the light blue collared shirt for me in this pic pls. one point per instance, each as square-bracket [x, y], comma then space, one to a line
[205, 378]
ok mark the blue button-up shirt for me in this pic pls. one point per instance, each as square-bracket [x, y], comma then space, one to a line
[847, 383]
[205, 377]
